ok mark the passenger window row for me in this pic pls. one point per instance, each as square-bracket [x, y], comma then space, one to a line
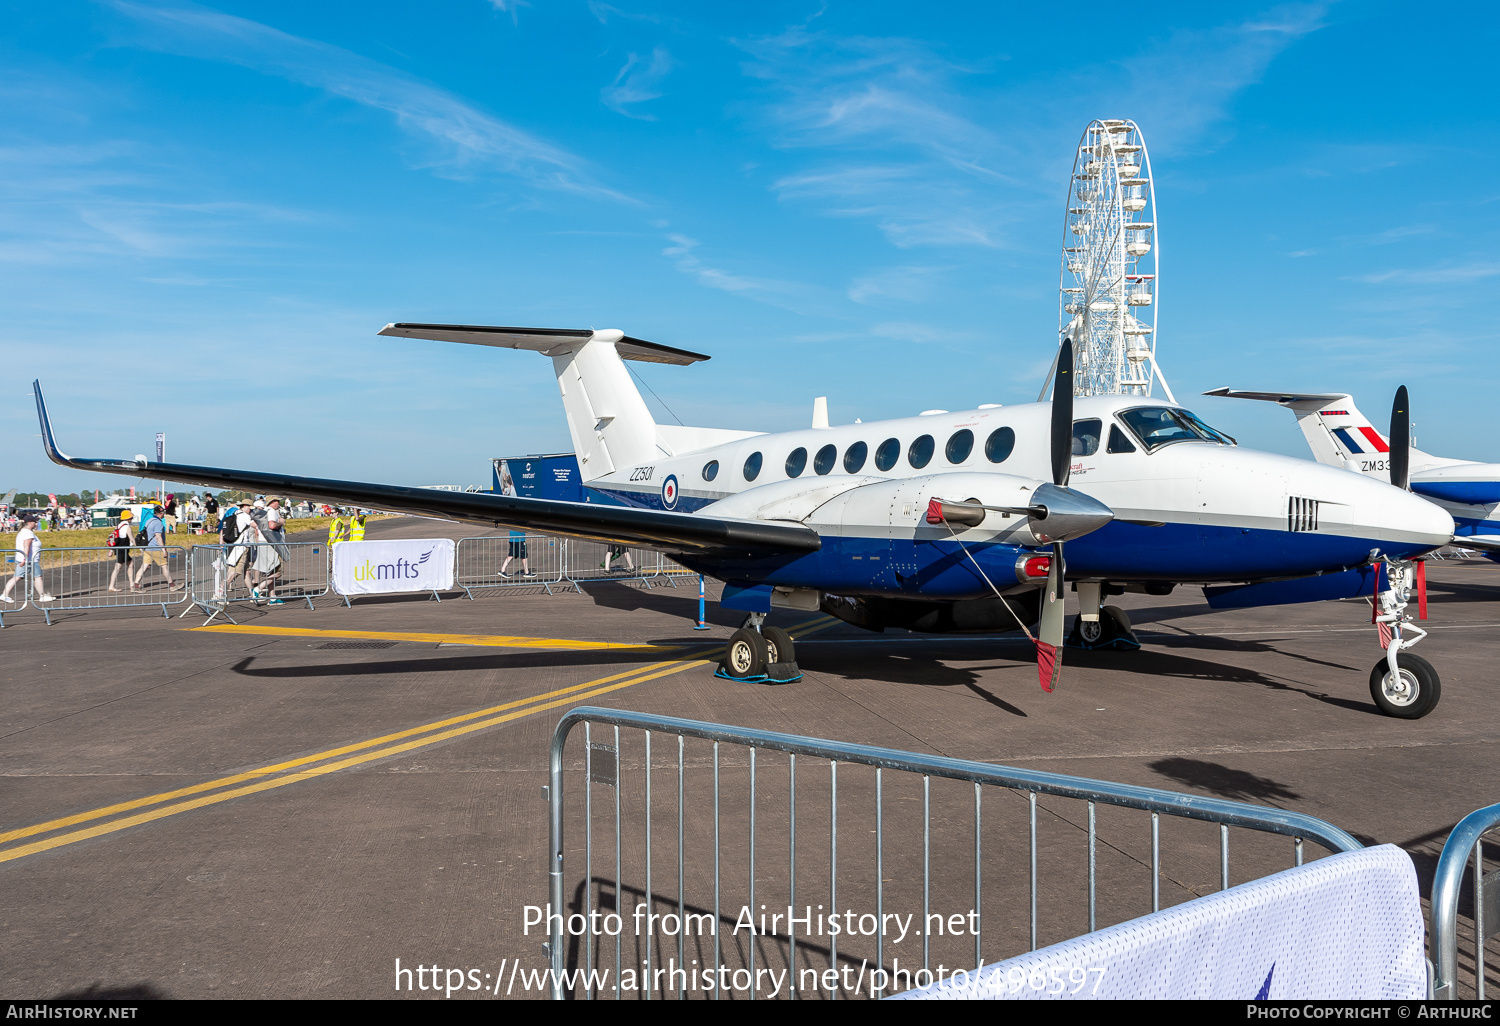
[997, 449]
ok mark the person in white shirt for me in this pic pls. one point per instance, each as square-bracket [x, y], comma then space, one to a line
[28, 558]
[247, 539]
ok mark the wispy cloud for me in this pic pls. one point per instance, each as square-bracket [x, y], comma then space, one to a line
[468, 139]
[885, 113]
[637, 82]
[1457, 275]
[788, 295]
[905, 284]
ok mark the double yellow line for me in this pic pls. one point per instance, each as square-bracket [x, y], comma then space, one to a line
[308, 767]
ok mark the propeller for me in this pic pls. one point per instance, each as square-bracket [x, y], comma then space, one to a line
[1049, 634]
[1400, 456]
[1057, 514]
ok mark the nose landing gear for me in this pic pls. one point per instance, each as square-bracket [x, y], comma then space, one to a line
[1403, 685]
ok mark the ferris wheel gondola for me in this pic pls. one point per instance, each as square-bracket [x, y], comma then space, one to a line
[1109, 292]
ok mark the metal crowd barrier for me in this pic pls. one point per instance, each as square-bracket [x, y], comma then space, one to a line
[584, 562]
[479, 561]
[99, 577]
[1464, 844]
[289, 571]
[601, 765]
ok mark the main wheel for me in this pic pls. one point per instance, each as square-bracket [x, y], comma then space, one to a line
[1408, 695]
[779, 645]
[746, 655]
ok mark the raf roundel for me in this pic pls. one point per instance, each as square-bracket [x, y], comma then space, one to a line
[669, 492]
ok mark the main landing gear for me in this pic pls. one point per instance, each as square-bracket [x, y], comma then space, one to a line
[759, 653]
[1100, 626]
[1403, 685]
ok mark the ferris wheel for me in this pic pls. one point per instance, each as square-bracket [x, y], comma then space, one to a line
[1110, 287]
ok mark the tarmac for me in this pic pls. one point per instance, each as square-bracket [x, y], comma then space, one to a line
[287, 807]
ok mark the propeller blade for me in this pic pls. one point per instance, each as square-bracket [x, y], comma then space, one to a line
[1400, 439]
[1062, 415]
[1049, 634]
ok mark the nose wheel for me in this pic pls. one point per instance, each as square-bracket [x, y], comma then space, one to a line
[1408, 694]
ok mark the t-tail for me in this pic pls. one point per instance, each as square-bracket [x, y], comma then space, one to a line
[611, 427]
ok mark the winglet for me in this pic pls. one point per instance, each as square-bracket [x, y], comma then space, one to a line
[49, 444]
[56, 455]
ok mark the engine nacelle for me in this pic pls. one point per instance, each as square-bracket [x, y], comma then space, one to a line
[898, 508]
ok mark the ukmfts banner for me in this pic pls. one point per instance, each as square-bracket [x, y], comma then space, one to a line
[383, 567]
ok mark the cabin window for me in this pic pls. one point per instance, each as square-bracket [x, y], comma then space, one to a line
[1117, 440]
[752, 466]
[919, 454]
[959, 446]
[1086, 437]
[824, 461]
[1000, 444]
[796, 463]
[887, 454]
[854, 457]
[711, 470]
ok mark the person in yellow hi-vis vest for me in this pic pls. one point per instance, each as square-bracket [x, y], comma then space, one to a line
[338, 530]
[357, 527]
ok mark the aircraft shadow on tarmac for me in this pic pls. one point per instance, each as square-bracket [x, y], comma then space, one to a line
[925, 665]
[457, 664]
[1236, 785]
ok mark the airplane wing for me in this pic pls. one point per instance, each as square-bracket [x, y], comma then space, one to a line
[680, 533]
[1482, 542]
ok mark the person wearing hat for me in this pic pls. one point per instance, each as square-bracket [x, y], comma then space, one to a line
[119, 540]
[28, 557]
[155, 529]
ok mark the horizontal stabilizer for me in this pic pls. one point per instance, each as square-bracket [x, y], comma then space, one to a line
[1349, 584]
[681, 533]
[552, 341]
[1284, 398]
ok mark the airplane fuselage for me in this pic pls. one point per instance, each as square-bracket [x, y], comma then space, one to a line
[1191, 509]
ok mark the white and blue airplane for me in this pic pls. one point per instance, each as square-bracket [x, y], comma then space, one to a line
[943, 522]
[1340, 436]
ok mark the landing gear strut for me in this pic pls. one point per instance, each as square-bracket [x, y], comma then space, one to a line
[1100, 626]
[759, 653]
[1403, 685]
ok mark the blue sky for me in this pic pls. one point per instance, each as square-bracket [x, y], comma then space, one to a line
[208, 212]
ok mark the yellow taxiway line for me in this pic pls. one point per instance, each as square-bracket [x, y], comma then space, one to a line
[288, 772]
[485, 640]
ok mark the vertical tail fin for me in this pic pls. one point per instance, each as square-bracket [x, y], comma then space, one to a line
[611, 427]
[1336, 432]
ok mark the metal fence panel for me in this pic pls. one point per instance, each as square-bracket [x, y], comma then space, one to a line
[261, 573]
[498, 561]
[100, 577]
[1464, 844]
[840, 796]
[586, 561]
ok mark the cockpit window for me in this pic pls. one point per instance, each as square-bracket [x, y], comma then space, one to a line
[1086, 437]
[1157, 426]
[1212, 433]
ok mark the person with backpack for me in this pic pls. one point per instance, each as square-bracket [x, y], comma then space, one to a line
[153, 537]
[119, 540]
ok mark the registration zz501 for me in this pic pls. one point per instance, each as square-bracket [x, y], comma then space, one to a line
[1054, 979]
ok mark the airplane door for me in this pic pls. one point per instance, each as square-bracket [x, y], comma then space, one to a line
[908, 506]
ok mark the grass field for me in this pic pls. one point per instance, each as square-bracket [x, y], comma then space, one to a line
[305, 529]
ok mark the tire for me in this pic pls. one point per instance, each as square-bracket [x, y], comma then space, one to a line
[745, 655]
[1420, 693]
[779, 644]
